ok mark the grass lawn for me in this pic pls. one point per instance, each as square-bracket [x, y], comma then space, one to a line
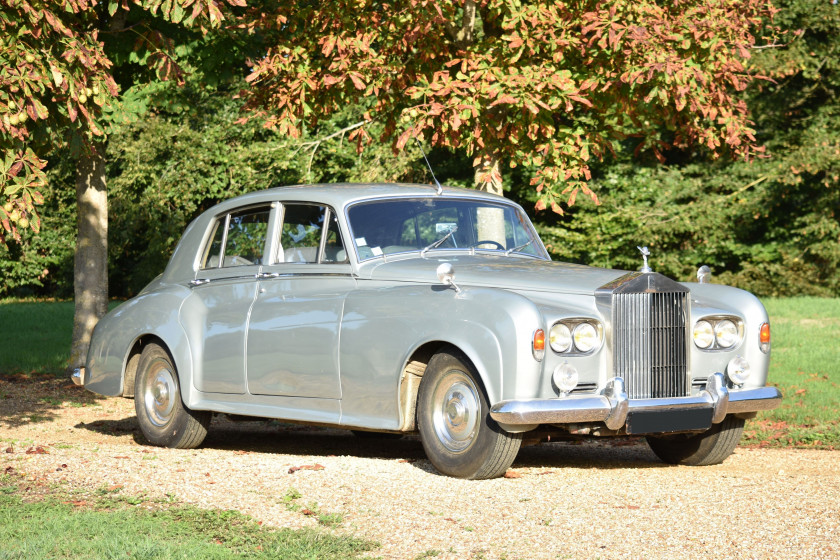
[67, 526]
[35, 336]
[805, 365]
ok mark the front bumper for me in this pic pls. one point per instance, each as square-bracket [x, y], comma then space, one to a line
[614, 407]
[78, 376]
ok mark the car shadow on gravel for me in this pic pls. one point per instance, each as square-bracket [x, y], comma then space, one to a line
[32, 398]
[280, 438]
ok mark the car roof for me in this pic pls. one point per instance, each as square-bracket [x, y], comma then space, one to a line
[182, 264]
[339, 195]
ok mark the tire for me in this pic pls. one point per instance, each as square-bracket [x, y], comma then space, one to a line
[458, 435]
[711, 447]
[163, 418]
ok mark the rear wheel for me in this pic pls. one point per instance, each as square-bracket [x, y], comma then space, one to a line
[709, 448]
[163, 418]
[459, 436]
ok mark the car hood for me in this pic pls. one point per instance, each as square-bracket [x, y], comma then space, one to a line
[511, 272]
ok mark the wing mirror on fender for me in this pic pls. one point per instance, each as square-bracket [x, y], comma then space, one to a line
[446, 275]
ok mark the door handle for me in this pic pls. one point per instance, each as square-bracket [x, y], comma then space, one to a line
[199, 282]
[265, 275]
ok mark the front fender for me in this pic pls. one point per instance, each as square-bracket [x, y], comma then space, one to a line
[382, 327]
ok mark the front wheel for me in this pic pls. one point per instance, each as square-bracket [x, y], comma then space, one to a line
[458, 434]
[709, 448]
[162, 416]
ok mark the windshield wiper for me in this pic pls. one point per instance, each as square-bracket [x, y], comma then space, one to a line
[440, 241]
[519, 247]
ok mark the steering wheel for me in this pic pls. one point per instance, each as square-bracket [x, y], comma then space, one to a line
[496, 243]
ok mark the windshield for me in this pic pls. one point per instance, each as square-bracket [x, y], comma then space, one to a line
[384, 227]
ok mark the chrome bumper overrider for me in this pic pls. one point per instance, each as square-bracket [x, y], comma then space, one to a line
[78, 376]
[613, 406]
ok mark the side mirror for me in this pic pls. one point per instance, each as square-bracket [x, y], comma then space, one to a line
[446, 275]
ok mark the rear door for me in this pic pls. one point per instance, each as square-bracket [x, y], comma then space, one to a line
[215, 315]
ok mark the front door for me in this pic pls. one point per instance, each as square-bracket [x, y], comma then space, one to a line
[293, 333]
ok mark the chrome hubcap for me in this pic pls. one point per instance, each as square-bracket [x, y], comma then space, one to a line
[456, 411]
[159, 397]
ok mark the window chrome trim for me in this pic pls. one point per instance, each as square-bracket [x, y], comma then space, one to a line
[502, 203]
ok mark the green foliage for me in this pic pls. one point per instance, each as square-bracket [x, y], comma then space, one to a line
[721, 216]
[189, 153]
[42, 263]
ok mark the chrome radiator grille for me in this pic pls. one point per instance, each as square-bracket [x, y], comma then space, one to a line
[649, 344]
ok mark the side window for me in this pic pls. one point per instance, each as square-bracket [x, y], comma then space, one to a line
[246, 236]
[242, 235]
[213, 254]
[301, 233]
[334, 251]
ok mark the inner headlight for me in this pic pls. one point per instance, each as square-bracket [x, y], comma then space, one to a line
[586, 337]
[560, 337]
[704, 334]
[726, 333]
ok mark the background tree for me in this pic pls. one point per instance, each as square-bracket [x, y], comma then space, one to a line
[771, 226]
[548, 85]
[55, 90]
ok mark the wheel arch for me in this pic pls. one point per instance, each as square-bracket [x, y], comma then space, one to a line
[414, 370]
[132, 360]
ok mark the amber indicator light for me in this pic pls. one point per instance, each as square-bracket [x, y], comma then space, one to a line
[539, 340]
[764, 333]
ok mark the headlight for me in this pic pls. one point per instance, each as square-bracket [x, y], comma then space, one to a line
[726, 333]
[586, 337]
[560, 338]
[718, 333]
[704, 334]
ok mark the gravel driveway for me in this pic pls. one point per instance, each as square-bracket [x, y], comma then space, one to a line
[563, 500]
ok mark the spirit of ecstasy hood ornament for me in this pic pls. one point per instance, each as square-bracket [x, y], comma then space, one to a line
[645, 254]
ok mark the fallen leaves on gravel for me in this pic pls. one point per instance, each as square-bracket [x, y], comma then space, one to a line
[512, 474]
[36, 451]
[315, 467]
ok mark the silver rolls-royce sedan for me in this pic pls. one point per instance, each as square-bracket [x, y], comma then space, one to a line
[409, 308]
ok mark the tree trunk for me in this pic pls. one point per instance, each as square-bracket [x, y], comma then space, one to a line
[90, 274]
[491, 221]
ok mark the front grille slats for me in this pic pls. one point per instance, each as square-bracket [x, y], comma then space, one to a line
[649, 351]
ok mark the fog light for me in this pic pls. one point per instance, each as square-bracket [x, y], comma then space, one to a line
[738, 370]
[565, 378]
